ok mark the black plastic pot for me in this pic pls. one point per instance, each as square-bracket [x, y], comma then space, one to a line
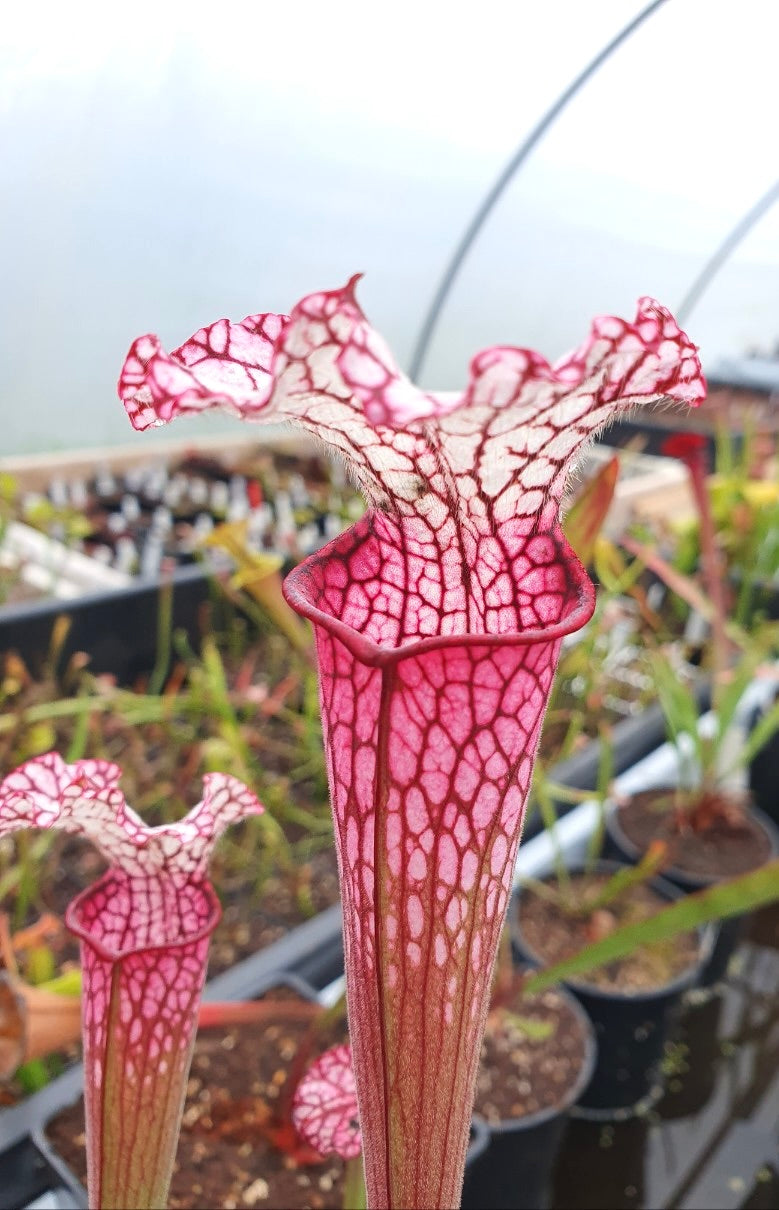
[515, 1170]
[729, 931]
[30, 1166]
[631, 1028]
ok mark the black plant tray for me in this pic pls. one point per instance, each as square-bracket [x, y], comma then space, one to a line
[262, 983]
[50, 1159]
[30, 1165]
[711, 1141]
[118, 629]
[648, 436]
[312, 952]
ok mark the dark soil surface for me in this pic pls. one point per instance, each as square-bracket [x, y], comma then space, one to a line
[240, 1081]
[283, 902]
[721, 850]
[533, 1053]
[553, 934]
[532, 1056]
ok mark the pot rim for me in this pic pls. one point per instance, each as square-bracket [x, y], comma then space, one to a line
[707, 934]
[573, 1093]
[698, 881]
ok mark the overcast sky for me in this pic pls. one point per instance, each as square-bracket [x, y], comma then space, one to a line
[194, 161]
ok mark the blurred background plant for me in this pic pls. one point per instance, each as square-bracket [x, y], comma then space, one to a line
[245, 701]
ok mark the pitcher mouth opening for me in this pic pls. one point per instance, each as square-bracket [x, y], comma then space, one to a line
[79, 923]
[305, 593]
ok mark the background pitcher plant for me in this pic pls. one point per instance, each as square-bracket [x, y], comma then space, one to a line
[144, 929]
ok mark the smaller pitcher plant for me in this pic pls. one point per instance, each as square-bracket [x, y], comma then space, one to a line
[325, 1113]
[144, 929]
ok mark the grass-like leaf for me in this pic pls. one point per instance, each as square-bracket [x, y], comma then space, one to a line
[730, 898]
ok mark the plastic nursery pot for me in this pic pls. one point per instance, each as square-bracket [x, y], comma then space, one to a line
[730, 931]
[514, 1171]
[764, 768]
[631, 1026]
